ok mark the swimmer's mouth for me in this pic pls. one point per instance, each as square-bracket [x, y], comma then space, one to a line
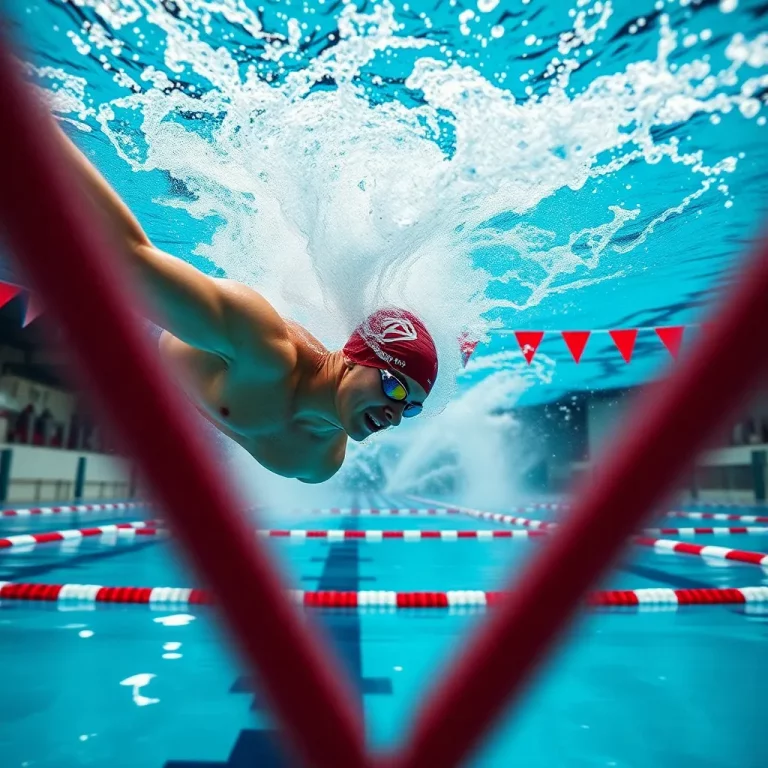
[373, 423]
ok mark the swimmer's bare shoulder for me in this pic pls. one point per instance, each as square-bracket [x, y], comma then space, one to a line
[224, 327]
[218, 316]
[257, 336]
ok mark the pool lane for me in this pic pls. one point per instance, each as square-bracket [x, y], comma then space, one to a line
[426, 565]
[13, 526]
[639, 691]
[166, 688]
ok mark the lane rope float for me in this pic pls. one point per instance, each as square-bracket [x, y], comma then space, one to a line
[755, 558]
[700, 550]
[142, 527]
[405, 535]
[149, 528]
[162, 597]
[377, 511]
[71, 508]
[718, 516]
[755, 530]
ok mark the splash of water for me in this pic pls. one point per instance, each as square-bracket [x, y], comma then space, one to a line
[475, 451]
[332, 199]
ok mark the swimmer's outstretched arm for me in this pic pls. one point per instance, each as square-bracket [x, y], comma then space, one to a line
[215, 315]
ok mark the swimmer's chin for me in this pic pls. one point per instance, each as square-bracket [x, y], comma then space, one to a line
[359, 436]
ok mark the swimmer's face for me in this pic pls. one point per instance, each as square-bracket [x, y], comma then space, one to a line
[364, 408]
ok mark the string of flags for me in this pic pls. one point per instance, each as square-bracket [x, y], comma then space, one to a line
[671, 336]
[528, 341]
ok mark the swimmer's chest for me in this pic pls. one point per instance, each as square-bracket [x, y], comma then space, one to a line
[246, 401]
[254, 411]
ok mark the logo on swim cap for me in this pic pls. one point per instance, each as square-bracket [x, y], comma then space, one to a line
[395, 329]
[395, 337]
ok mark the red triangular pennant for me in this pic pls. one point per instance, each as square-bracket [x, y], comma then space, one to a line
[8, 291]
[625, 342]
[576, 341]
[34, 310]
[529, 342]
[671, 337]
[467, 347]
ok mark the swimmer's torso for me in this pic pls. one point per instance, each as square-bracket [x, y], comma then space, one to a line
[244, 364]
[254, 406]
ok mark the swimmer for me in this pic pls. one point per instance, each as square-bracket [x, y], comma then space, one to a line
[263, 381]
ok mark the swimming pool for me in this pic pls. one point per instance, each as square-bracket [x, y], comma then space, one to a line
[88, 683]
[100, 682]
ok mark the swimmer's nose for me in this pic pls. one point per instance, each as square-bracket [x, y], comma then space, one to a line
[394, 414]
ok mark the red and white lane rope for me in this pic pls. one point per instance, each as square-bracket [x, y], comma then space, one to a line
[496, 517]
[149, 528]
[377, 511]
[406, 535]
[716, 531]
[665, 545]
[72, 508]
[720, 553]
[177, 596]
[145, 528]
[718, 516]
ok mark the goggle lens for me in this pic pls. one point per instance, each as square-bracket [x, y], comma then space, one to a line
[395, 390]
[411, 410]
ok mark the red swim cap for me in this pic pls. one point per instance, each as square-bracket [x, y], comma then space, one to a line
[395, 340]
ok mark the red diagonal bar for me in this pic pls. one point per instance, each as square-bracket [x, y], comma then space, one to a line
[67, 261]
[669, 426]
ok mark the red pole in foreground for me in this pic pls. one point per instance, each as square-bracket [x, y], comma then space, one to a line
[67, 260]
[664, 432]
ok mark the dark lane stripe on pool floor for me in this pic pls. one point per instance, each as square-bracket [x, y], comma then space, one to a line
[18, 570]
[341, 571]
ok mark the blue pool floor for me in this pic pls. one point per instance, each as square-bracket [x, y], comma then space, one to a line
[131, 686]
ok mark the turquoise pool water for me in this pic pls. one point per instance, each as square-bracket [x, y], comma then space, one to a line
[495, 166]
[570, 165]
[129, 685]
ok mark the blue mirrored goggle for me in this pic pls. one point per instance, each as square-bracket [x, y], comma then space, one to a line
[397, 390]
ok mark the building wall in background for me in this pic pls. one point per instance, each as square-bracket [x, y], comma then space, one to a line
[726, 474]
[48, 474]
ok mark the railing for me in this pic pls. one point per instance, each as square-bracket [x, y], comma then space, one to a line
[39, 489]
[65, 261]
[22, 489]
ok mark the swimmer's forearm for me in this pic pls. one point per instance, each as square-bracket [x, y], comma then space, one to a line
[181, 299]
[119, 220]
